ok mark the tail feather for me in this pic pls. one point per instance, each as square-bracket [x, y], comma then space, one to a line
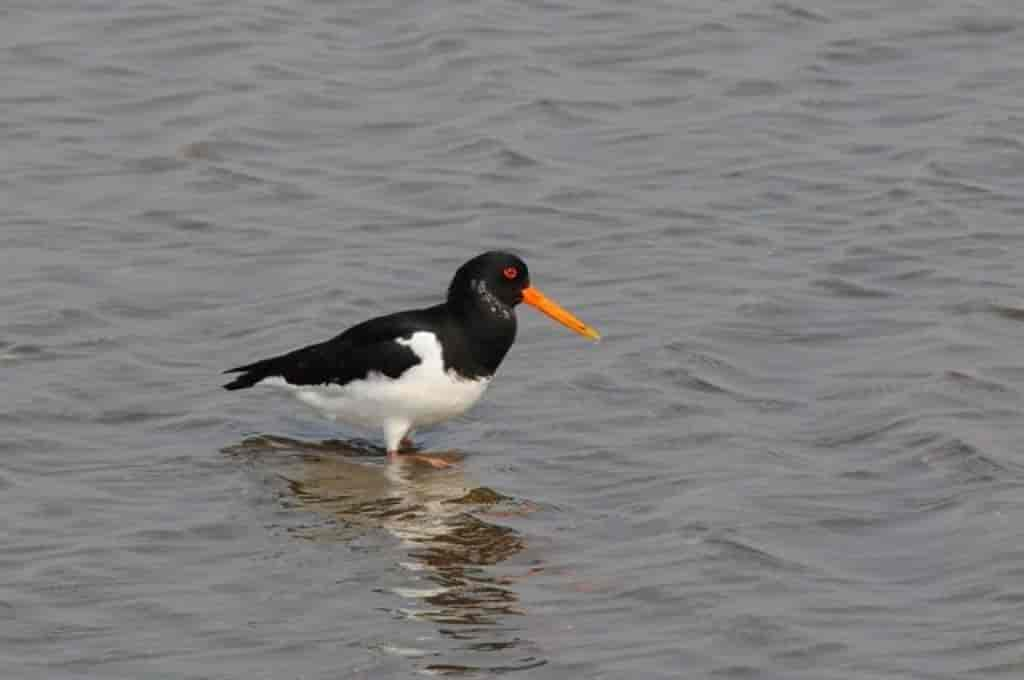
[252, 374]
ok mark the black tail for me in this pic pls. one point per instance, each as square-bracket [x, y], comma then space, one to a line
[252, 373]
[311, 365]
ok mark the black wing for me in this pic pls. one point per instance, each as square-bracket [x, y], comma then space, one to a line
[369, 347]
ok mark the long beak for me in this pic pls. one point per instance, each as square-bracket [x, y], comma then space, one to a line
[535, 298]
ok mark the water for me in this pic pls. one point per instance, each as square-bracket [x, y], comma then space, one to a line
[795, 454]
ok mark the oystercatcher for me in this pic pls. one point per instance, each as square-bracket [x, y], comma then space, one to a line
[419, 367]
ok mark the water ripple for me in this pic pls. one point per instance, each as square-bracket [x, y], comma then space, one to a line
[793, 455]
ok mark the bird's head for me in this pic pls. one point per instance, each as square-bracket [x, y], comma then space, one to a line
[495, 282]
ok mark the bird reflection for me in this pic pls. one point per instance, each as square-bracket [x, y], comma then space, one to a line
[435, 514]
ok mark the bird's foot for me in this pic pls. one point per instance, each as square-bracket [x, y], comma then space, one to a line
[439, 461]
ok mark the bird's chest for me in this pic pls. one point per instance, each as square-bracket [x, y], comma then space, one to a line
[429, 391]
[428, 396]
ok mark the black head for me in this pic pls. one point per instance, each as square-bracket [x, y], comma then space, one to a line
[481, 301]
[492, 283]
[485, 291]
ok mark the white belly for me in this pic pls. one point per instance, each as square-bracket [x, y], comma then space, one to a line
[424, 395]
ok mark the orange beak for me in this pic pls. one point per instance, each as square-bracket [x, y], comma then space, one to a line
[535, 298]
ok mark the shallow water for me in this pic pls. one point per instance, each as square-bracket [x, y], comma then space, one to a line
[795, 454]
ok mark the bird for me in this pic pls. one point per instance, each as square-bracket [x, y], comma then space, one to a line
[415, 368]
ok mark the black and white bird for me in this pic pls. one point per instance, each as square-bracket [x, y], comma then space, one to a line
[419, 367]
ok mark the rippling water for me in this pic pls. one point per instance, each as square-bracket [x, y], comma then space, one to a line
[796, 454]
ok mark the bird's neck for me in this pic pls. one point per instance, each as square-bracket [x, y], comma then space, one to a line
[482, 337]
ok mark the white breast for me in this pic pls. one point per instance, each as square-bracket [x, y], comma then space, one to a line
[425, 394]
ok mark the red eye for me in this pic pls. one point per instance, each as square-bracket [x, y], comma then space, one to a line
[510, 273]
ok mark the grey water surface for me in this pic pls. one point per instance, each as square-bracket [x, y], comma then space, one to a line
[797, 453]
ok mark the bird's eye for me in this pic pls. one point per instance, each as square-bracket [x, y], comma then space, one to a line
[510, 273]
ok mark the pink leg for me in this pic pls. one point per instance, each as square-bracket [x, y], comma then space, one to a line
[396, 434]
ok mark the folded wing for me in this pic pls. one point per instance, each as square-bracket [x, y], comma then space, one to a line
[370, 347]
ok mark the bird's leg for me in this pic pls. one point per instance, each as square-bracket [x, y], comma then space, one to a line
[397, 435]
